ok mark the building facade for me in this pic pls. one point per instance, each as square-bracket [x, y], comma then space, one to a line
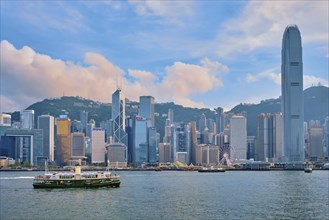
[140, 141]
[63, 139]
[78, 146]
[23, 145]
[164, 153]
[27, 119]
[47, 124]
[292, 95]
[146, 109]
[152, 145]
[116, 155]
[238, 137]
[98, 145]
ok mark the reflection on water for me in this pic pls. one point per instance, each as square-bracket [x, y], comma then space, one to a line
[174, 195]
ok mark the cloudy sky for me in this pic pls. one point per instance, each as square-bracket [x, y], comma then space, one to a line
[194, 53]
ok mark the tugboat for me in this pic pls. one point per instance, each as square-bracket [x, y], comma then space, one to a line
[76, 179]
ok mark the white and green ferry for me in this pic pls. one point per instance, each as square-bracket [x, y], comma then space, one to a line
[76, 179]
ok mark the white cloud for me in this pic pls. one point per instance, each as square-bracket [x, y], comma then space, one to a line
[28, 77]
[261, 25]
[268, 74]
[172, 11]
[308, 80]
[250, 78]
[144, 77]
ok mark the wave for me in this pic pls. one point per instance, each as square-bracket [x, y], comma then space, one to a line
[16, 177]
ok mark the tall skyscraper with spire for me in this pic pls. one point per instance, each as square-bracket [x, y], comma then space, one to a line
[292, 95]
[119, 118]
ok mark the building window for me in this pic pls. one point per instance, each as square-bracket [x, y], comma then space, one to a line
[294, 63]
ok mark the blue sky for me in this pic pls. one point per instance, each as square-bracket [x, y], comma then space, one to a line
[195, 53]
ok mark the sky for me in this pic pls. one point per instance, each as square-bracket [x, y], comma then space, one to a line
[194, 53]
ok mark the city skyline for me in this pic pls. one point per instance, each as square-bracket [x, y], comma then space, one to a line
[192, 53]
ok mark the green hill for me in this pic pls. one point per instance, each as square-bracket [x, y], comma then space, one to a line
[315, 102]
[316, 107]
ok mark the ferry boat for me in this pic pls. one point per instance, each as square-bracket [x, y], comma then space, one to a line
[308, 170]
[76, 179]
[211, 170]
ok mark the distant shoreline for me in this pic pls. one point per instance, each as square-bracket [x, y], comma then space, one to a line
[145, 169]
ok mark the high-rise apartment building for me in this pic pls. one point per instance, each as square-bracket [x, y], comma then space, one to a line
[292, 95]
[238, 136]
[47, 124]
[63, 138]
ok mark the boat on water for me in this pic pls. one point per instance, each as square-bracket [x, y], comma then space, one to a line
[211, 170]
[326, 166]
[76, 179]
[308, 170]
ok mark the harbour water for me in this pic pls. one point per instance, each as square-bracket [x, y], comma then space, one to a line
[173, 195]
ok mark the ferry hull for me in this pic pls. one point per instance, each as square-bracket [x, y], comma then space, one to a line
[77, 184]
[211, 171]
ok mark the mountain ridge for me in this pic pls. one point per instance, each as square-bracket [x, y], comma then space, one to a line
[316, 107]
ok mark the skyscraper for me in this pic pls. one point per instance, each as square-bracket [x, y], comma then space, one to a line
[146, 109]
[84, 120]
[63, 137]
[238, 136]
[181, 141]
[47, 124]
[152, 145]
[119, 117]
[269, 146]
[78, 145]
[202, 123]
[292, 95]
[98, 145]
[27, 119]
[140, 141]
[171, 116]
